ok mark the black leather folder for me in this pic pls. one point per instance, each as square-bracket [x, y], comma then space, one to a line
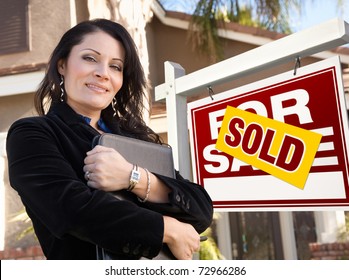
[155, 157]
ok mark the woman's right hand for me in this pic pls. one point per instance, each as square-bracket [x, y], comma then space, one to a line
[181, 238]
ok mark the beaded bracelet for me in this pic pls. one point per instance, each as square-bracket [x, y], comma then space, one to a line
[148, 187]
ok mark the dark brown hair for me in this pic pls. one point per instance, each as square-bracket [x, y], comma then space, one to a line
[129, 99]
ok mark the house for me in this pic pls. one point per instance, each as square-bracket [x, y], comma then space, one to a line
[31, 28]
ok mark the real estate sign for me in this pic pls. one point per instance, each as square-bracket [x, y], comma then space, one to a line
[280, 143]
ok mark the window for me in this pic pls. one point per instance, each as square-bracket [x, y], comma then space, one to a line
[14, 30]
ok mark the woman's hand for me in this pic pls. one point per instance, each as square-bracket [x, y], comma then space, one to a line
[181, 238]
[106, 169]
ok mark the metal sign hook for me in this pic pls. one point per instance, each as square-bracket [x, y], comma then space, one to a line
[210, 92]
[297, 65]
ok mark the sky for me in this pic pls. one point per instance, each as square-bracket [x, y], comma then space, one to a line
[318, 11]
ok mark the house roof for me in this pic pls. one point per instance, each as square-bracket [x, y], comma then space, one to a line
[231, 30]
[19, 69]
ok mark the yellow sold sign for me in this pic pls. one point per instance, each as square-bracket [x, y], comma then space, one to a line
[282, 150]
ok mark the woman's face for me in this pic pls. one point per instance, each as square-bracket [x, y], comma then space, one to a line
[93, 73]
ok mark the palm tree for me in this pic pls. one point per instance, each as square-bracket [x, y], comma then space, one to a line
[209, 15]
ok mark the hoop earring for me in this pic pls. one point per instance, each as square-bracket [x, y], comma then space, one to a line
[113, 103]
[62, 88]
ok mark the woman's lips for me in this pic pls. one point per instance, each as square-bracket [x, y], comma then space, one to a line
[97, 88]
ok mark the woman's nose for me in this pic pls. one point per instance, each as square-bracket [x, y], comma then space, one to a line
[102, 71]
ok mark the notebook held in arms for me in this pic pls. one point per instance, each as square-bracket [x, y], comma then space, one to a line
[156, 158]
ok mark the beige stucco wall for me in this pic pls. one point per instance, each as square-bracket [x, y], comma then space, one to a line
[167, 43]
[15, 107]
[48, 20]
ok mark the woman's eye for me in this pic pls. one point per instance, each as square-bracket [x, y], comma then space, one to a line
[116, 67]
[89, 58]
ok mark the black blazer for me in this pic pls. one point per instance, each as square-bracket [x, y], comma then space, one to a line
[45, 156]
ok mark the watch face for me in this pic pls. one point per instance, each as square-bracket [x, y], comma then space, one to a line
[135, 176]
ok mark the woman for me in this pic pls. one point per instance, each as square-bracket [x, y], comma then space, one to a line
[95, 84]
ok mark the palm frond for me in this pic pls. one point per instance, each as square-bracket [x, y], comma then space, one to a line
[23, 217]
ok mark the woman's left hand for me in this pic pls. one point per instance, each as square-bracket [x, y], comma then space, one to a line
[106, 169]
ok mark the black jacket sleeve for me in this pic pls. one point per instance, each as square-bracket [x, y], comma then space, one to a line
[188, 202]
[53, 190]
